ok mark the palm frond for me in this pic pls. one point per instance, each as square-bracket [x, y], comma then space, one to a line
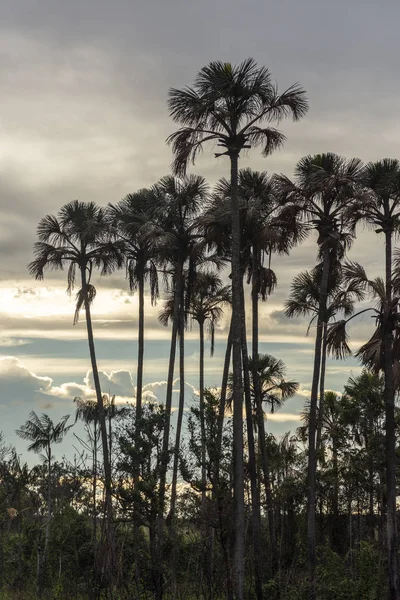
[84, 294]
[337, 340]
[370, 353]
[269, 138]
[48, 257]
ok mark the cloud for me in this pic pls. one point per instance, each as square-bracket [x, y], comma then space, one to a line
[283, 417]
[305, 393]
[116, 383]
[13, 342]
[18, 384]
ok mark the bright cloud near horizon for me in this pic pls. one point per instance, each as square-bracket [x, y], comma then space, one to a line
[83, 88]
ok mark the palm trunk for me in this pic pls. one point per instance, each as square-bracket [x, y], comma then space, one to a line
[255, 504]
[156, 571]
[110, 432]
[109, 559]
[42, 560]
[259, 410]
[335, 538]
[237, 387]
[267, 483]
[210, 532]
[222, 401]
[46, 543]
[394, 589]
[94, 483]
[312, 463]
[322, 388]
[180, 413]
[170, 382]
[202, 415]
[216, 494]
[139, 373]
[371, 513]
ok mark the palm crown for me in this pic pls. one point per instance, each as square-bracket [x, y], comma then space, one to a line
[131, 220]
[380, 204]
[42, 432]
[78, 237]
[275, 389]
[326, 185]
[305, 295]
[233, 105]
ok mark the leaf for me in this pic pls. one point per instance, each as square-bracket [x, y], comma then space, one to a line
[370, 353]
[337, 340]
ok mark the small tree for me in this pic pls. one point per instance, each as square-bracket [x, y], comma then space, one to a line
[43, 433]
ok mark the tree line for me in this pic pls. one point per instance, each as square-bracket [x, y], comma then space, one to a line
[231, 511]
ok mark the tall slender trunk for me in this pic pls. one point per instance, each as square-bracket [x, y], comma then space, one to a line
[139, 372]
[170, 382]
[222, 401]
[210, 532]
[108, 551]
[312, 463]
[267, 484]
[216, 492]
[202, 415]
[156, 570]
[255, 504]
[322, 387]
[48, 503]
[110, 408]
[180, 413]
[394, 588]
[100, 403]
[94, 483]
[335, 533]
[259, 410]
[42, 558]
[371, 515]
[237, 387]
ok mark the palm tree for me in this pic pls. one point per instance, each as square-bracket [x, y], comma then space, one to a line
[326, 185]
[131, 218]
[334, 435]
[234, 106]
[364, 410]
[267, 226]
[208, 296]
[43, 433]
[304, 301]
[176, 240]
[381, 210]
[77, 237]
[275, 390]
[373, 354]
[88, 412]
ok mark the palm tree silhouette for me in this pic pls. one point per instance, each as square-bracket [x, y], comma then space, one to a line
[176, 240]
[274, 391]
[304, 301]
[326, 185]
[43, 433]
[233, 105]
[381, 209]
[132, 219]
[208, 297]
[78, 237]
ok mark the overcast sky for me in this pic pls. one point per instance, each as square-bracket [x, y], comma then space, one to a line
[83, 88]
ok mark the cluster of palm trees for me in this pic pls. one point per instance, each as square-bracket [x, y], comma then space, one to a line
[192, 235]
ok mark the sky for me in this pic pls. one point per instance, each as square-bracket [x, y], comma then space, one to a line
[83, 89]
